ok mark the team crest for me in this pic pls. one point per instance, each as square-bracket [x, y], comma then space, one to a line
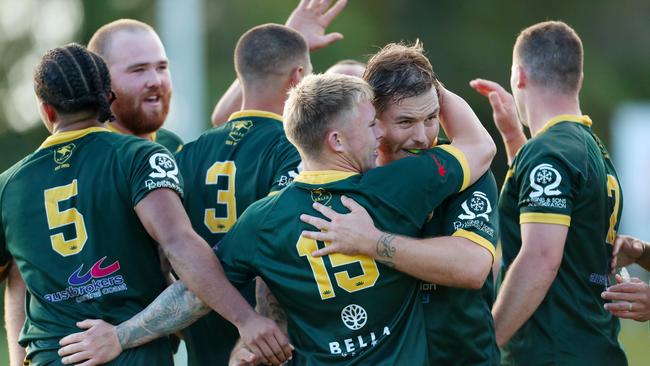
[544, 179]
[163, 167]
[321, 196]
[476, 206]
[238, 130]
[62, 154]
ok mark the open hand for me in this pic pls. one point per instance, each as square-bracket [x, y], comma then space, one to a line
[97, 345]
[312, 17]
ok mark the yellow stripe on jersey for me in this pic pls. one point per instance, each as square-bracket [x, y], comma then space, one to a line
[481, 241]
[322, 176]
[67, 136]
[255, 113]
[460, 156]
[272, 193]
[584, 120]
[544, 218]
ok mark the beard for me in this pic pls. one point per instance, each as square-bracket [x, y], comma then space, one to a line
[131, 114]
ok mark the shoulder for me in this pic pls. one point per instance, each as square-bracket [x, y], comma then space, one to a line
[8, 174]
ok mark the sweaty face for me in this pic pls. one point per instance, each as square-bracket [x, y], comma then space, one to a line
[412, 123]
[361, 138]
[141, 80]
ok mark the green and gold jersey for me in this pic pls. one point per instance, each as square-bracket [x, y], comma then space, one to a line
[164, 137]
[344, 310]
[460, 328]
[564, 176]
[68, 220]
[229, 168]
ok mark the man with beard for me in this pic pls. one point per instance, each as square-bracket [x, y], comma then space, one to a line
[140, 74]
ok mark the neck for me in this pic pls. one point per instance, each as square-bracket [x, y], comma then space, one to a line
[264, 99]
[62, 126]
[123, 129]
[327, 162]
[546, 104]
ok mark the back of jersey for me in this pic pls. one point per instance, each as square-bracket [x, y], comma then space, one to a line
[228, 169]
[68, 220]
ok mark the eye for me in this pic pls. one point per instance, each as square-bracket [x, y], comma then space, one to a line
[162, 67]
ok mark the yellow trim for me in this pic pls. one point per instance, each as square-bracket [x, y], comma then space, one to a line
[116, 128]
[153, 136]
[63, 137]
[179, 148]
[255, 113]
[322, 176]
[583, 120]
[460, 156]
[479, 240]
[272, 193]
[544, 218]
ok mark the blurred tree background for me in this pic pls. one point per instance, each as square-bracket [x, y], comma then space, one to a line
[465, 39]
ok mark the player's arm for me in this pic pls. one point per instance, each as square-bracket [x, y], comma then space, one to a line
[442, 260]
[14, 313]
[466, 133]
[504, 114]
[529, 277]
[229, 103]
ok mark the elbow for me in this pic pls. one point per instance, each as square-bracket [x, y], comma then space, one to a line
[477, 276]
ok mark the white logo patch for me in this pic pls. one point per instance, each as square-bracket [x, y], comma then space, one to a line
[354, 316]
[163, 166]
[544, 179]
[476, 206]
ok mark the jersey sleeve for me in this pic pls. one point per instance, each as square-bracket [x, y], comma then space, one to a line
[287, 165]
[546, 190]
[471, 214]
[237, 252]
[152, 167]
[420, 183]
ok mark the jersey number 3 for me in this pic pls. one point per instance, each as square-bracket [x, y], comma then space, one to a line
[350, 284]
[57, 218]
[225, 196]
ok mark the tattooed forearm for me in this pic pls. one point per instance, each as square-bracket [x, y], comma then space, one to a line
[174, 309]
[268, 306]
[385, 248]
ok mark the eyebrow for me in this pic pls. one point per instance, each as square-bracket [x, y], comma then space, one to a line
[144, 64]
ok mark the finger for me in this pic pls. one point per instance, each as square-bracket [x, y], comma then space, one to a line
[629, 287]
[618, 243]
[619, 296]
[258, 353]
[326, 211]
[484, 86]
[325, 251]
[331, 38]
[333, 12]
[88, 323]
[70, 349]
[327, 236]
[351, 204]
[76, 358]
[323, 5]
[496, 103]
[72, 338]
[303, 4]
[283, 341]
[268, 352]
[277, 348]
[316, 222]
[626, 314]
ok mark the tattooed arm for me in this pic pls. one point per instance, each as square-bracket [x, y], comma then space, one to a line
[443, 260]
[174, 309]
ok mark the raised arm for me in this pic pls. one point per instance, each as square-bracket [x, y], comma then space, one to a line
[466, 133]
[435, 260]
[229, 103]
[504, 114]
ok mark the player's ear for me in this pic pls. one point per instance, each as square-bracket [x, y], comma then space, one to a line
[521, 77]
[296, 75]
[48, 115]
[333, 141]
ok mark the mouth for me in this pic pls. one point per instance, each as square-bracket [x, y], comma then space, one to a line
[153, 99]
[412, 152]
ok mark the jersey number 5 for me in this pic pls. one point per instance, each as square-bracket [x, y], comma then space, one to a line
[215, 224]
[57, 218]
[350, 284]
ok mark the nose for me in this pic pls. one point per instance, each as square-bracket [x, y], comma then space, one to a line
[378, 131]
[420, 136]
[153, 78]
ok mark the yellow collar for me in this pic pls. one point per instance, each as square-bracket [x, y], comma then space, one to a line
[255, 113]
[322, 176]
[116, 128]
[583, 120]
[63, 137]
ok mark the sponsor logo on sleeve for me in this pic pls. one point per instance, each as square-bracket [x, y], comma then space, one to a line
[164, 173]
[544, 181]
[476, 211]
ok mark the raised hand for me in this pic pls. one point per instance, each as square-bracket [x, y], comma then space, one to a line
[97, 345]
[630, 300]
[351, 234]
[312, 17]
[626, 251]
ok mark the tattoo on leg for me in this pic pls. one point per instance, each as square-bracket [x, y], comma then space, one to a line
[385, 249]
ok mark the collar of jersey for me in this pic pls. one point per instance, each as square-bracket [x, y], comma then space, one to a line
[115, 128]
[255, 113]
[583, 120]
[322, 176]
[63, 137]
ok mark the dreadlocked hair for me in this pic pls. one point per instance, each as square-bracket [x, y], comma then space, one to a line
[72, 79]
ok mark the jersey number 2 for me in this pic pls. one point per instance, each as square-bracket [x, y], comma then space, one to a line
[57, 218]
[226, 169]
[614, 191]
[350, 284]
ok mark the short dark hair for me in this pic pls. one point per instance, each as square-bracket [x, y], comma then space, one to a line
[551, 52]
[267, 50]
[399, 71]
[72, 79]
[102, 37]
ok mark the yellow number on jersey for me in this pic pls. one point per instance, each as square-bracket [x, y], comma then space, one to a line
[613, 190]
[350, 284]
[57, 219]
[225, 197]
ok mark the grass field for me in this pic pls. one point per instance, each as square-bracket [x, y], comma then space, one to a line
[634, 336]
